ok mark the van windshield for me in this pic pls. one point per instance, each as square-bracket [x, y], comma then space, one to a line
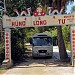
[42, 41]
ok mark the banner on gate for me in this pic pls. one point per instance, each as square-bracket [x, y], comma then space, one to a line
[32, 21]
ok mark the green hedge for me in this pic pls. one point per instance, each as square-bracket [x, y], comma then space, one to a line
[2, 53]
[17, 48]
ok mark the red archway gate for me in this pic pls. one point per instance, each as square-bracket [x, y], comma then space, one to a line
[33, 21]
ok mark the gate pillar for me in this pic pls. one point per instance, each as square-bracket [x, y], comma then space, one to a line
[7, 62]
[73, 45]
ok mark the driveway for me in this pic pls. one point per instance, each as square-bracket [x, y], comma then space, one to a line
[41, 71]
[42, 66]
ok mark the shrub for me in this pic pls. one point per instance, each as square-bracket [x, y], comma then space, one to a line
[17, 48]
[17, 54]
[2, 53]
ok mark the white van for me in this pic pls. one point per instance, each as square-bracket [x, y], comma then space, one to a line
[42, 45]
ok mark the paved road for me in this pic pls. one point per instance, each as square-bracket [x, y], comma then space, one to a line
[41, 71]
[42, 67]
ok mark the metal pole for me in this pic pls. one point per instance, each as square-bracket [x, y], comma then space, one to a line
[4, 7]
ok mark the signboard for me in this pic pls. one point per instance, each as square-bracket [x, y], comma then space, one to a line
[32, 21]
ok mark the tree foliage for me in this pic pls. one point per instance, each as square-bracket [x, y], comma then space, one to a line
[2, 53]
[53, 3]
[73, 9]
[66, 33]
[18, 37]
[17, 48]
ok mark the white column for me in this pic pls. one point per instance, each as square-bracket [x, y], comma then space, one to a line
[73, 45]
[8, 44]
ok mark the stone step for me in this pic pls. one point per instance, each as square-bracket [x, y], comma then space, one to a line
[6, 64]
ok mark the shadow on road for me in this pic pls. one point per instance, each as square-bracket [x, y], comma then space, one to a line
[41, 62]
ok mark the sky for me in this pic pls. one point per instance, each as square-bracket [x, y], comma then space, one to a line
[69, 7]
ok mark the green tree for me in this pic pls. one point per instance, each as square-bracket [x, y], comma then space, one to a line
[23, 4]
[66, 33]
[17, 47]
[62, 49]
[73, 9]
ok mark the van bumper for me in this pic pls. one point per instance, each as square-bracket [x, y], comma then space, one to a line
[42, 54]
